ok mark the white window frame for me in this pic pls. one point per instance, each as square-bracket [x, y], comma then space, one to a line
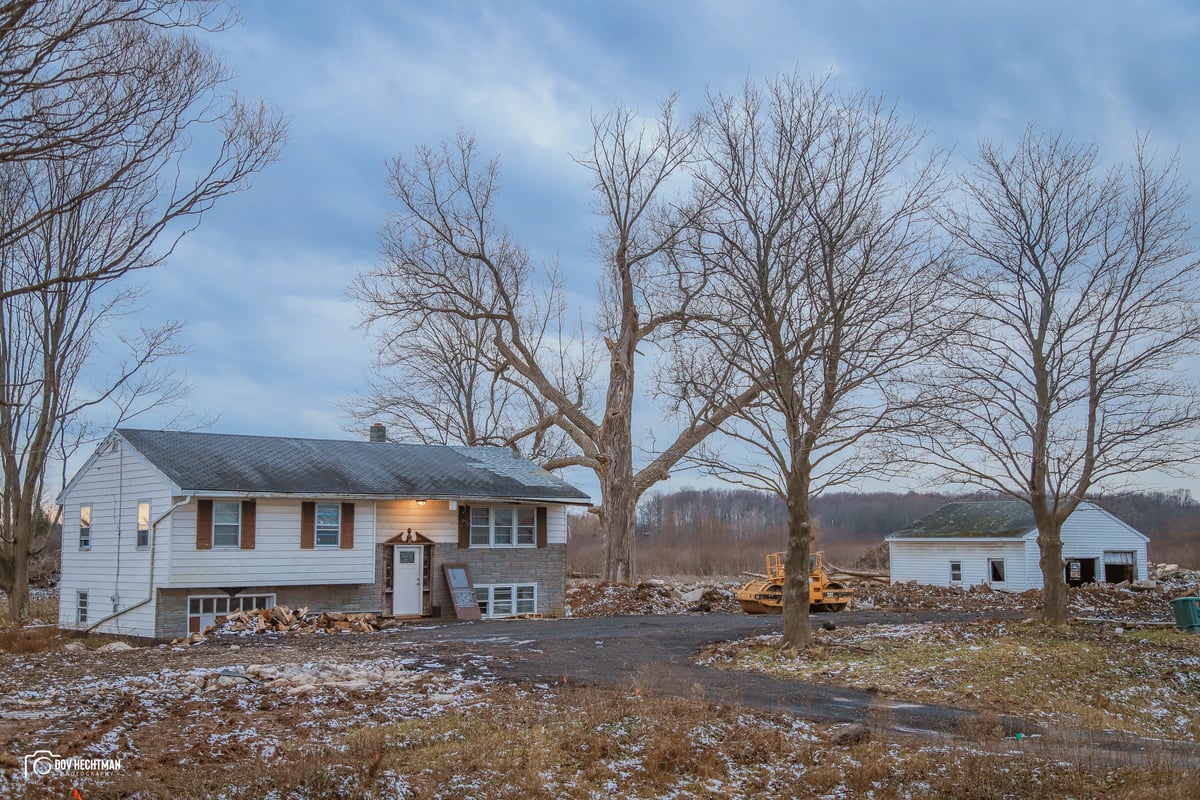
[956, 566]
[520, 532]
[237, 543]
[221, 605]
[318, 528]
[499, 600]
[81, 607]
[1003, 570]
[85, 531]
[140, 542]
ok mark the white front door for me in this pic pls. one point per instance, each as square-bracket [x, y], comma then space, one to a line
[406, 581]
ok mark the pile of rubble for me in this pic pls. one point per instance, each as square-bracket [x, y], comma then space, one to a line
[917, 597]
[649, 597]
[1142, 601]
[1176, 582]
[281, 619]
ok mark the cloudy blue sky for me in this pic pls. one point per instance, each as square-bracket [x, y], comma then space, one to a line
[261, 284]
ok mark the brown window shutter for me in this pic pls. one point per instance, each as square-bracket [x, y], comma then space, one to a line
[464, 526]
[542, 526]
[308, 525]
[347, 526]
[249, 519]
[204, 524]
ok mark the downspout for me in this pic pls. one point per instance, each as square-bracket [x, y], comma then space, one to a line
[150, 587]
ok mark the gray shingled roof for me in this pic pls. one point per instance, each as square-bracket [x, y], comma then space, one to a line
[983, 519]
[218, 462]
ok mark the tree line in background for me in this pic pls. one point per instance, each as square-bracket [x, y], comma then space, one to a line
[813, 297]
[725, 532]
[118, 130]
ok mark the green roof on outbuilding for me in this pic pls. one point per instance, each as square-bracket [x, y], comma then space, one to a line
[986, 519]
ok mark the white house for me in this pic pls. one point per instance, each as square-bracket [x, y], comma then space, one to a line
[995, 542]
[164, 531]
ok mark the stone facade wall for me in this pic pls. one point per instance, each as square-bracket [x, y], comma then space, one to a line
[171, 619]
[545, 566]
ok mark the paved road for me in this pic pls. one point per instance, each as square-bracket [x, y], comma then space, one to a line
[654, 654]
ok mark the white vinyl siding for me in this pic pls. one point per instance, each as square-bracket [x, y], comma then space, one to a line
[113, 504]
[927, 562]
[277, 558]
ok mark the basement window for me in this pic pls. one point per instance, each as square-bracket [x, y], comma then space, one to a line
[956, 572]
[996, 570]
[506, 600]
[81, 607]
[203, 610]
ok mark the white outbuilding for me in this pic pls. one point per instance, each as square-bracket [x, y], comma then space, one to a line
[995, 542]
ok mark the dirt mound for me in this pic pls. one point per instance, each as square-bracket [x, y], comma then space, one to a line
[589, 599]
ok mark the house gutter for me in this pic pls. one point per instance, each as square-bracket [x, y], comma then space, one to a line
[958, 539]
[150, 586]
[316, 494]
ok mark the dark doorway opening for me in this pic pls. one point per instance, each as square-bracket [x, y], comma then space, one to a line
[1119, 565]
[1080, 571]
[1115, 573]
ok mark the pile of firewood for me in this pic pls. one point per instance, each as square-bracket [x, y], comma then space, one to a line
[281, 619]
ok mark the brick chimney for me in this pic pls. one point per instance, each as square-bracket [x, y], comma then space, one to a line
[378, 432]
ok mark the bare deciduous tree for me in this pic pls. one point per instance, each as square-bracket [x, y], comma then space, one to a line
[98, 104]
[447, 256]
[822, 274]
[445, 384]
[1083, 289]
[49, 338]
[120, 84]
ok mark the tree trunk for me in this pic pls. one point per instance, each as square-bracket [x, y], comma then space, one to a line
[618, 512]
[796, 631]
[1054, 583]
[618, 515]
[617, 490]
[18, 592]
